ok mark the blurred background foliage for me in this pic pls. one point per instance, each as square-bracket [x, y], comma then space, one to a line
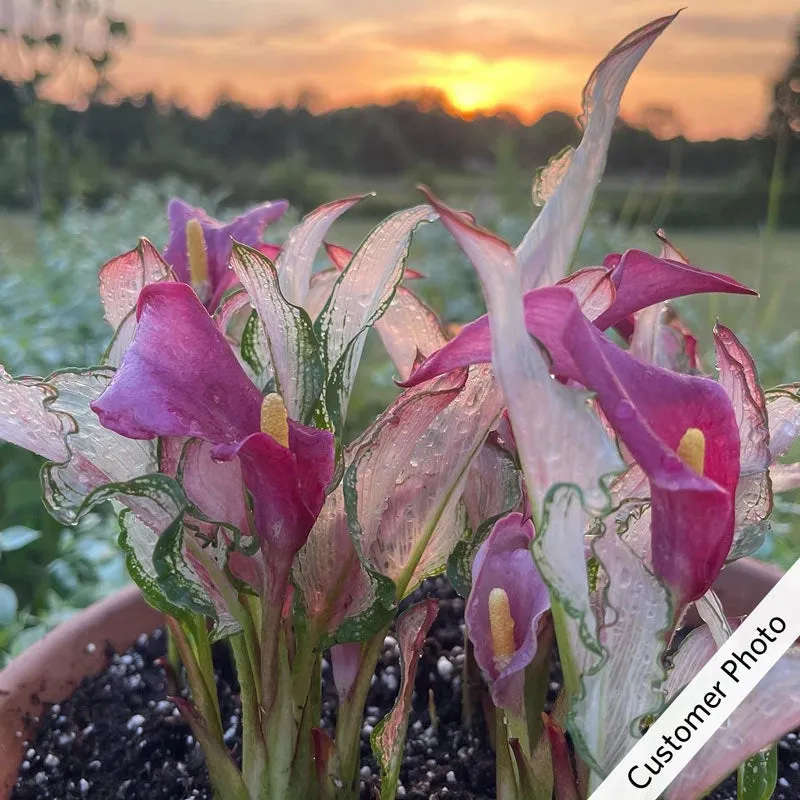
[79, 184]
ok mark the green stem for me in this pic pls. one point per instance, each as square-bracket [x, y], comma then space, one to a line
[303, 768]
[254, 753]
[174, 663]
[241, 611]
[204, 698]
[271, 635]
[202, 647]
[568, 665]
[279, 726]
[226, 780]
[537, 679]
[348, 726]
[505, 776]
[470, 685]
[305, 669]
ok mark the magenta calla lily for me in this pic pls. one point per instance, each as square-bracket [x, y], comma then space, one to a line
[218, 238]
[179, 378]
[641, 280]
[504, 562]
[680, 429]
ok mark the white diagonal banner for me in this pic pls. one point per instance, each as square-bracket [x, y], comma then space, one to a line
[716, 691]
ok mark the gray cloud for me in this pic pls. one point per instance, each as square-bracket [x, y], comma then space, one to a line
[761, 27]
[491, 39]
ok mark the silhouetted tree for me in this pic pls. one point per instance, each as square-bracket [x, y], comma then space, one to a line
[49, 41]
[783, 125]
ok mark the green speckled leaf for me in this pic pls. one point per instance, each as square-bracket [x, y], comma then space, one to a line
[359, 298]
[293, 348]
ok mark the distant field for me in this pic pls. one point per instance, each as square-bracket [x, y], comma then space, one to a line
[17, 238]
[771, 267]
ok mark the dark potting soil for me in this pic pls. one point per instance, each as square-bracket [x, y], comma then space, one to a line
[119, 738]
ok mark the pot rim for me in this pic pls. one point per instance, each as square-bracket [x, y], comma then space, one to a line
[50, 669]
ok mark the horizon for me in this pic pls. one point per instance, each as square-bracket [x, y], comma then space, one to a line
[708, 76]
[713, 67]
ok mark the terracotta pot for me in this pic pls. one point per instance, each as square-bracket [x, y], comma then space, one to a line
[51, 669]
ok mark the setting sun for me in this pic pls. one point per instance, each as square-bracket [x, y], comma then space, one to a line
[474, 84]
[468, 96]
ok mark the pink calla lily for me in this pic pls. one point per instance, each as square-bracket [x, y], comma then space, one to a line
[504, 562]
[218, 239]
[652, 410]
[641, 280]
[179, 378]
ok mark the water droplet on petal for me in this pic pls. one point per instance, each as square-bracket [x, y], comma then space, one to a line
[625, 410]
[624, 578]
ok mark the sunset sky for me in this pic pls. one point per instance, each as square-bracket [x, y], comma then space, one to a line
[713, 66]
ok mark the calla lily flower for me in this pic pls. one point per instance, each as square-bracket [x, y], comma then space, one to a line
[507, 600]
[199, 246]
[641, 280]
[180, 378]
[681, 429]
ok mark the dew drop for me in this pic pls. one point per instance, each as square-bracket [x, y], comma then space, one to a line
[624, 578]
[625, 410]
[734, 742]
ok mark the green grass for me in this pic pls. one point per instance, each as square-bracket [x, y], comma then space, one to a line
[17, 238]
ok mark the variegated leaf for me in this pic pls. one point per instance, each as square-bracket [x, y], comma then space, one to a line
[293, 347]
[628, 685]
[237, 320]
[403, 488]
[296, 259]
[783, 411]
[121, 280]
[360, 297]
[767, 713]
[546, 252]
[27, 419]
[97, 456]
[320, 289]
[157, 522]
[407, 329]
[739, 378]
[388, 738]
[341, 597]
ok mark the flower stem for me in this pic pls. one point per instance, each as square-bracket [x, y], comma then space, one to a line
[254, 753]
[348, 726]
[191, 641]
[505, 776]
[279, 726]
